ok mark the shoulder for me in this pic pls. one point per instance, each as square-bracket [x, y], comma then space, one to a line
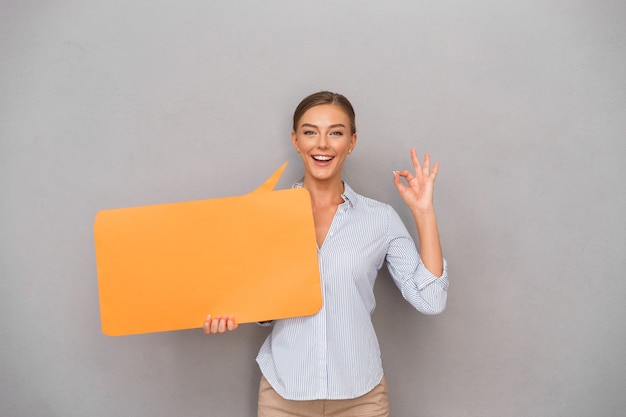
[366, 204]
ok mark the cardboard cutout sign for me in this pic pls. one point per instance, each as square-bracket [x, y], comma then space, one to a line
[165, 267]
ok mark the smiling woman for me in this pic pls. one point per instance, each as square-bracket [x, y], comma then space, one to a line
[329, 363]
[323, 139]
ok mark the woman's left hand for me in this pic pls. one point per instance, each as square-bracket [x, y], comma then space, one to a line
[418, 192]
[219, 324]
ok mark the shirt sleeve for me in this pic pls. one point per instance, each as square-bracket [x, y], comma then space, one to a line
[421, 288]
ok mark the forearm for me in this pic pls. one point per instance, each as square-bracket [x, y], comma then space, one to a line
[430, 245]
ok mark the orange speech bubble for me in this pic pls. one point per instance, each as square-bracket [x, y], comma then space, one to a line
[165, 267]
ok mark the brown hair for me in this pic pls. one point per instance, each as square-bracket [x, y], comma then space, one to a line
[324, 97]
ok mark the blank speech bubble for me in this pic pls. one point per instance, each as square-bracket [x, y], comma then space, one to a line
[165, 267]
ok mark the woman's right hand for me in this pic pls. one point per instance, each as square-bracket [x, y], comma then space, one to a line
[219, 324]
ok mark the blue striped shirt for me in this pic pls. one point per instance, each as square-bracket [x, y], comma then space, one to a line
[334, 354]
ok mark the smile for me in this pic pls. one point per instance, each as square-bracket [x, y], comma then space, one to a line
[322, 158]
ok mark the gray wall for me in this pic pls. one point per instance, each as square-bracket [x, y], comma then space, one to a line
[115, 104]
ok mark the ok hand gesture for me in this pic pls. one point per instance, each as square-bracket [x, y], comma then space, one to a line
[418, 192]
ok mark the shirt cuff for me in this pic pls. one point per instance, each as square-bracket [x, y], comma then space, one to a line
[426, 278]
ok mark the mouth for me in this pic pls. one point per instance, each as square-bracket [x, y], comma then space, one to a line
[322, 158]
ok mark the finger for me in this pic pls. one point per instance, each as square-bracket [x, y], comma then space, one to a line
[396, 180]
[231, 324]
[416, 161]
[435, 170]
[407, 175]
[426, 168]
[206, 328]
[221, 328]
[215, 324]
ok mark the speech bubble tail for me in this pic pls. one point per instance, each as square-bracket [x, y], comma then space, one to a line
[271, 182]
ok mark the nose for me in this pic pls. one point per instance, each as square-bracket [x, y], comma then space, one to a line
[323, 142]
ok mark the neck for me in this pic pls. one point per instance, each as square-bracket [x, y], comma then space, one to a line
[325, 193]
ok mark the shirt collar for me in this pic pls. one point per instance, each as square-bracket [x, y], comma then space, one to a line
[348, 195]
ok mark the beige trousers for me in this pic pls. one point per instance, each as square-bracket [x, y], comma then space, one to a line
[373, 404]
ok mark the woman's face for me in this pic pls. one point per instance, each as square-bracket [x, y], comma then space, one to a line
[323, 139]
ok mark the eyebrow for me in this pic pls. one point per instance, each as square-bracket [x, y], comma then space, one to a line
[330, 127]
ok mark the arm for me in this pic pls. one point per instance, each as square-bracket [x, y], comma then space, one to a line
[423, 289]
[418, 196]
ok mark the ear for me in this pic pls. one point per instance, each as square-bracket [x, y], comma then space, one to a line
[294, 141]
[352, 142]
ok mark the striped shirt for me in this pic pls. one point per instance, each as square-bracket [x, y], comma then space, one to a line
[334, 354]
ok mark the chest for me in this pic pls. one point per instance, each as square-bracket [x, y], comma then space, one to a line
[323, 219]
[353, 241]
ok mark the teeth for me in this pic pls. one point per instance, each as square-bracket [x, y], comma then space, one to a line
[322, 158]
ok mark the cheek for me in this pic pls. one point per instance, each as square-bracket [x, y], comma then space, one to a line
[342, 147]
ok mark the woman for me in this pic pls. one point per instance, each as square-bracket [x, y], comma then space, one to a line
[329, 363]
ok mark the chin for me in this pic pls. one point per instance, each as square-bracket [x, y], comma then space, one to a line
[324, 177]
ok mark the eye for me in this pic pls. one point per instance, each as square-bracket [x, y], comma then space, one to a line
[308, 132]
[337, 133]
